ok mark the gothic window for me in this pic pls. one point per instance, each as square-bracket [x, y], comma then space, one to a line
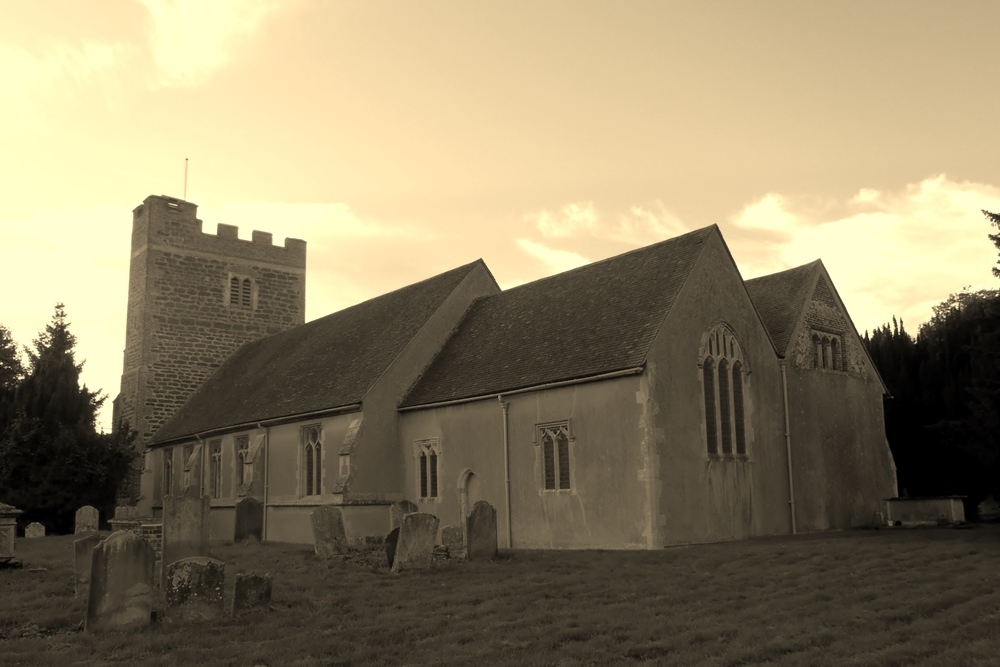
[312, 458]
[241, 292]
[724, 381]
[234, 290]
[828, 351]
[428, 459]
[245, 293]
[215, 469]
[242, 447]
[168, 471]
[554, 439]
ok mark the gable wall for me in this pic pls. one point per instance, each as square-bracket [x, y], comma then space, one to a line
[606, 504]
[376, 473]
[841, 460]
[704, 498]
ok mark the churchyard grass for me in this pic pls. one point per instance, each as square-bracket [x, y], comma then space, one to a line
[877, 597]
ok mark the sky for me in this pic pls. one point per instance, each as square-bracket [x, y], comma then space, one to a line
[403, 138]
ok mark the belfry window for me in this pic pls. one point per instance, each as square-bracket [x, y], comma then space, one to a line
[724, 382]
[241, 292]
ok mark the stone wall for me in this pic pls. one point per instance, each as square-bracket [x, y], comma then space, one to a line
[181, 325]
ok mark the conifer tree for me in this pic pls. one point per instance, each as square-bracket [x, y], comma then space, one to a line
[11, 374]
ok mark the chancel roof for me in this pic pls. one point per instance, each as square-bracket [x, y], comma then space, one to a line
[324, 364]
[596, 319]
[780, 298]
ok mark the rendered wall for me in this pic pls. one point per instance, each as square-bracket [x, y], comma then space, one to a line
[703, 498]
[606, 505]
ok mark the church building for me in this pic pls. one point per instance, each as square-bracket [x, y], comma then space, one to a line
[650, 399]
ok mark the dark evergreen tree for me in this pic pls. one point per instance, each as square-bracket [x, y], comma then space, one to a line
[52, 459]
[11, 374]
[994, 219]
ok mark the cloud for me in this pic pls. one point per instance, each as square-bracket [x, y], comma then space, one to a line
[556, 260]
[638, 225]
[889, 252]
[192, 39]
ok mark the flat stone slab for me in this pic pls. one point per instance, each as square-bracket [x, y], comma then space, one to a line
[121, 584]
[83, 560]
[329, 535]
[481, 532]
[415, 547]
[194, 588]
[251, 592]
[87, 519]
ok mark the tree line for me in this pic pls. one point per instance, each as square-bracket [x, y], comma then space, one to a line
[943, 418]
[52, 458]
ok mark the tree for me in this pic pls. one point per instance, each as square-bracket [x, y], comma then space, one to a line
[994, 219]
[52, 459]
[11, 373]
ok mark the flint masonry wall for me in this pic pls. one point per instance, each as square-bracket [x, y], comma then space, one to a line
[182, 322]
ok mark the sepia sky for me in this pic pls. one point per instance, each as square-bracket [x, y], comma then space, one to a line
[401, 139]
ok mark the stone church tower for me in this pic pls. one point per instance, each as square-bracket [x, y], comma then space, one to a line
[193, 300]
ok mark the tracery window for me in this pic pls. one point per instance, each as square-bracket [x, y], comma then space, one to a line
[428, 458]
[554, 439]
[724, 382]
[242, 446]
[215, 469]
[312, 459]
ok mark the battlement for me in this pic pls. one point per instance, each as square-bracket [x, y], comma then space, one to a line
[168, 222]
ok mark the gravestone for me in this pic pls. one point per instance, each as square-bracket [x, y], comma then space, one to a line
[453, 538]
[481, 531]
[86, 520]
[398, 510]
[8, 531]
[329, 536]
[121, 584]
[185, 529]
[249, 521]
[251, 591]
[33, 530]
[83, 557]
[390, 546]
[415, 546]
[194, 588]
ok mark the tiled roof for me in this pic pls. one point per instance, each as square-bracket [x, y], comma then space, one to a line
[326, 363]
[779, 298]
[595, 319]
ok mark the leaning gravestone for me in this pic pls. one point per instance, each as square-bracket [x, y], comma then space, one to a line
[249, 521]
[83, 558]
[390, 546]
[481, 531]
[194, 588]
[86, 520]
[251, 591]
[185, 529]
[33, 530]
[329, 536]
[415, 547]
[121, 584]
[398, 510]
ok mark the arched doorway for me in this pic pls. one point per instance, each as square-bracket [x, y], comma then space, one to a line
[468, 492]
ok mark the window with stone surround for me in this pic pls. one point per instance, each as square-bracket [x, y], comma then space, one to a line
[240, 292]
[241, 446]
[724, 380]
[554, 439]
[312, 460]
[428, 452]
[168, 471]
[215, 469]
[827, 351]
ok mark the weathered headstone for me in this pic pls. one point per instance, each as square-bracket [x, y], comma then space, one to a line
[329, 536]
[194, 588]
[33, 530]
[185, 528]
[415, 547]
[86, 520]
[121, 584]
[398, 510]
[8, 531]
[249, 521]
[390, 546]
[481, 531]
[127, 512]
[251, 591]
[453, 538]
[83, 557]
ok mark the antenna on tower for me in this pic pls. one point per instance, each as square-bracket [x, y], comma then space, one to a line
[185, 179]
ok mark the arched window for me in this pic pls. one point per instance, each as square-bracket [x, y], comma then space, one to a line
[234, 290]
[827, 361]
[817, 351]
[246, 293]
[562, 447]
[168, 472]
[312, 459]
[423, 474]
[708, 371]
[549, 460]
[724, 376]
[428, 458]
[725, 416]
[835, 354]
[741, 436]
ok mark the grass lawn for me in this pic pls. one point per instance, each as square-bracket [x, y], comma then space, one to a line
[886, 597]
